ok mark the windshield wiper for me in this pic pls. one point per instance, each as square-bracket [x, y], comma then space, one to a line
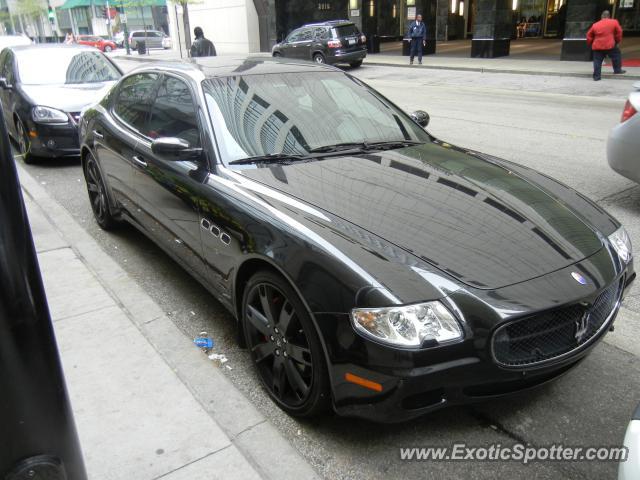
[386, 145]
[270, 158]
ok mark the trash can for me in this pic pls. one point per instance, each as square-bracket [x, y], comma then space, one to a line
[141, 46]
[406, 47]
[373, 44]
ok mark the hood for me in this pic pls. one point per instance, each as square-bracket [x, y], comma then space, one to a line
[68, 98]
[477, 221]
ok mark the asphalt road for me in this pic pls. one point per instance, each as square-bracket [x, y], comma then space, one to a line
[555, 124]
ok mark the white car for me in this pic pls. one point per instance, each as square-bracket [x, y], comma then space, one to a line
[14, 40]
[623, 145]
[166, 42]
[630, 469]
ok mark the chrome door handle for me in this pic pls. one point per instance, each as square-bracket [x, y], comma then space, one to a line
[97, 134]
[139, 161]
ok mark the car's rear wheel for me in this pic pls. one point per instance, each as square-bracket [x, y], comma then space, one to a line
[319, 58]
[284, 345]
[107, 48]
[356, 64]
[98, 194]
[24, 143]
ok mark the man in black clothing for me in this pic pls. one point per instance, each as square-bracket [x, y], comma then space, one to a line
[202, 47]
[418, 35]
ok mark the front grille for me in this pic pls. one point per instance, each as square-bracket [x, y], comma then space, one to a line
[533, 340]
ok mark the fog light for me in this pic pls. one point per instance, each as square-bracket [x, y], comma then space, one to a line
[51, 144]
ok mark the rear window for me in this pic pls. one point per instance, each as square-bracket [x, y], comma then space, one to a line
[345, 31]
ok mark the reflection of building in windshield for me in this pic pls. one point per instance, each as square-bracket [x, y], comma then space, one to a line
[256, 125]
[84, 67]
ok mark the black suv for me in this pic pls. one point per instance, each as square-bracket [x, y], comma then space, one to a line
[336, 41]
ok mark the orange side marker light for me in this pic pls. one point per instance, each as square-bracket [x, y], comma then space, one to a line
[363, 382]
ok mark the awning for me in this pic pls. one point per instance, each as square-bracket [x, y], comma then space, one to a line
[113, 3]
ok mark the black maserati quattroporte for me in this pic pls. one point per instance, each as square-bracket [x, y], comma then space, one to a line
[371, 266]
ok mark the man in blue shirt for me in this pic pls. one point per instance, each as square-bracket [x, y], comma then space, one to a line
[418, 35]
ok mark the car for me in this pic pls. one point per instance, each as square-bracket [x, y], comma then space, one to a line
[94, 41]
[623, 144]
[14, 40]
[152, 39]
[370, 265]
[43, 89]
[332, 42]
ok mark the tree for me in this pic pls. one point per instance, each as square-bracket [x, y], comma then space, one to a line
[33, 10]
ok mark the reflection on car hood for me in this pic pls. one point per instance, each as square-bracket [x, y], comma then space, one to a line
[475, 220]
[68, 98]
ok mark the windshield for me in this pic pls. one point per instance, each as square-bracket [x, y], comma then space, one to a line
[63, 66]
[345, 31]
[294, 113]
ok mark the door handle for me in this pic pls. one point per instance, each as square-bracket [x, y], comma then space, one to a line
[97, 134]
[139, 161]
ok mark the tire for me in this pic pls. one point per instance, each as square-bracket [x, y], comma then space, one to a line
[356, 64]
[107, 48]
[277, 54]
[286, 353]
[318, 58]
[24, 144]
[98, 198]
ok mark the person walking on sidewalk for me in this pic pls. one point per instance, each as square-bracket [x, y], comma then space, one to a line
[418, 35]
[603, 37]
[202, 47]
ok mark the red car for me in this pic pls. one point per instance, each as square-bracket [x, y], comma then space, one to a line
[98, 42]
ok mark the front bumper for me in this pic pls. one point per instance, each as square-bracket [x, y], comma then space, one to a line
[54, 141]
[347, 57]
[415, 382]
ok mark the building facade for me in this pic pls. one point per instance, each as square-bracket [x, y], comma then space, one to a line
[243, 26]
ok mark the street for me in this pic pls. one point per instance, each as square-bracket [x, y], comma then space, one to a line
[557, 125]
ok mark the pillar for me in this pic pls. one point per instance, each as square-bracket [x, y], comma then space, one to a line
[266, 10]
[442, 19]
[580, 16]
[492, 29]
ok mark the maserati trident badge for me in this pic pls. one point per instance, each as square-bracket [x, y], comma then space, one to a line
[579, 278]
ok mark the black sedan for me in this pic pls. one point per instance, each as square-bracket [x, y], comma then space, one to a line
[371, 266]
[43, 89]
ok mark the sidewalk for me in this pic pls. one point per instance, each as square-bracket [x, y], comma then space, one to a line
[147, 403]
[484, 65]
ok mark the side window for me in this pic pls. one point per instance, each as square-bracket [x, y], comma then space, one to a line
[138, 34]
[155, 34]
[306, 34]
[134, 99]
[294, 36]
[320, 33]
[174, 113]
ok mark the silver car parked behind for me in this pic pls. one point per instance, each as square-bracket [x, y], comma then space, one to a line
[623, 146]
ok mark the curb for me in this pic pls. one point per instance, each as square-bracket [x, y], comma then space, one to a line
[503, 70]
[251, 433]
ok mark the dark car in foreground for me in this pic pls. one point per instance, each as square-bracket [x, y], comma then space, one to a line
[370, 265]
[43, 89]
[336, 41]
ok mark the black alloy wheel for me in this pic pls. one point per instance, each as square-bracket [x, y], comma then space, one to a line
[98, 195]
[24, 144]
[284, 346]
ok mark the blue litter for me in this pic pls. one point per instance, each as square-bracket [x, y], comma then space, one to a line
[203, 342]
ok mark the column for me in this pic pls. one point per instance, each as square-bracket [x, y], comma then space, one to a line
[442, 19]
[492, 29]
[580, 16]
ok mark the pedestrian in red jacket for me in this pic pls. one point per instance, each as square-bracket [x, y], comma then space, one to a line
[603, 37]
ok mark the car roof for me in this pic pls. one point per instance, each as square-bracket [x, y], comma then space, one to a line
[227, 66]
[329, 23]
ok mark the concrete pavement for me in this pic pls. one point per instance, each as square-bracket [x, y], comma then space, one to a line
[148, 404]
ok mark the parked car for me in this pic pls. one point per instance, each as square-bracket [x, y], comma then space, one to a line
[94, 41]
[369, 265]
[337, 41]
[14, 40]
[623, 145]
[43, 88]
[152, 39]
[630, 468]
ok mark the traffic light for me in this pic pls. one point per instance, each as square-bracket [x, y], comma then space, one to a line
[51, 15]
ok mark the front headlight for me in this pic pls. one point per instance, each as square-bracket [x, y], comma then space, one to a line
[42, 114]
[408, 325]
[621, 244]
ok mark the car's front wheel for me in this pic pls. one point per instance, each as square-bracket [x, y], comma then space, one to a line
[98, 195]
[107, 48]
[284, 345]
[24, 143]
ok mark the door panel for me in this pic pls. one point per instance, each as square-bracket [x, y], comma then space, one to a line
[168, 188]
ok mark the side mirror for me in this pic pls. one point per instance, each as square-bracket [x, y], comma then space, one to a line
[177, 148]
[4, 84]
[420, 117]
